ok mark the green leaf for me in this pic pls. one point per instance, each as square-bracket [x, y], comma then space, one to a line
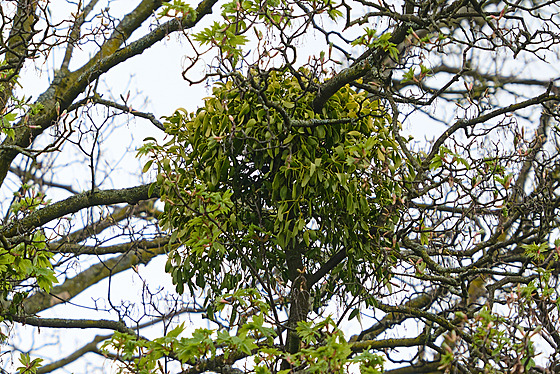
[251, 123]
[147, 166]
[306, 178]
[176, 331]
[354, 313]
[288, 104]
[436, 162]
[288, 139]
[28, 366]
[408, 76]
[284, 192]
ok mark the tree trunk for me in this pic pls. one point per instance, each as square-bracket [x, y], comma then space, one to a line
[299, 298]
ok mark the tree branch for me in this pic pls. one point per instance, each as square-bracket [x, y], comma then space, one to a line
[25, 176]
[66, 323]
[391, 319]
[375, 61]
[89, 347]
[119, 214]
[92, 346]
[95, 273]
[105, 60]
[75, 33]
[465, 124]
[388, 343]
[17, 47]
[75, 203]
[427, 367]
[336, 259]
[97, 99]
[79, 249]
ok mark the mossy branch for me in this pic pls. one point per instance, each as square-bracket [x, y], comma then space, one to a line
[73, 204]
[66, 323]
[80, 249]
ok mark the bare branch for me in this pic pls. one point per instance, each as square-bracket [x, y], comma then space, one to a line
[95, 273]
[25, 176]
[118, 215]
[126, 109]
[77, 354]
[76, 32]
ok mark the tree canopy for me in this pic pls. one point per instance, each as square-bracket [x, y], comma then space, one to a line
[368, 187]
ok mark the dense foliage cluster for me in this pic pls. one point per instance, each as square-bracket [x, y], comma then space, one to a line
[245, 184]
